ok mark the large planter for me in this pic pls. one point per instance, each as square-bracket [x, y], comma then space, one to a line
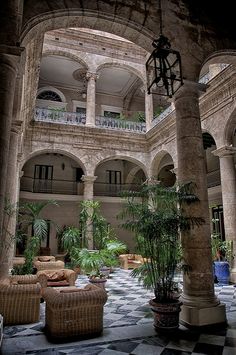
[166, 315]
[222, 272]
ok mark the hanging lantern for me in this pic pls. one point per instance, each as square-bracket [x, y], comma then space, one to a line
[163, 67]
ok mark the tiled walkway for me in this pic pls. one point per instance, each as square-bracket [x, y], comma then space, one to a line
[128, 328]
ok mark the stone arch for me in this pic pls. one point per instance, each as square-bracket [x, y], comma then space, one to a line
[129, 68]
[60, 151]
[64, 18]
[221, 56]
[131, 175]
[136, 21]
[66, 54]
[157, 160]
[205, 135]
[123, 157]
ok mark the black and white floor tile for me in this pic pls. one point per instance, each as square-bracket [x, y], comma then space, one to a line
[128, 328]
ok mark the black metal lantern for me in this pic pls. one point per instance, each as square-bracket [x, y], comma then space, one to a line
[163, 67]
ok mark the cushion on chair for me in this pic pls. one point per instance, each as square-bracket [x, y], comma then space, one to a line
[75, 289]
[55, 275]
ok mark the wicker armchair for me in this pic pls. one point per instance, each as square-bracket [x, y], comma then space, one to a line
[19, 303]
[47, 263]
[130, 261]
[74, 312]
[28, 279]
[63, 277]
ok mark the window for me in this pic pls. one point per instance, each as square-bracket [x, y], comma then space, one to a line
[113, 177]
[49, 95]
[111, 111]
[218, 224]
[111, 114]
[43, 178]
[81, 110]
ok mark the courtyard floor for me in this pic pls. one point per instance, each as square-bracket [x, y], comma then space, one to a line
[128, 328]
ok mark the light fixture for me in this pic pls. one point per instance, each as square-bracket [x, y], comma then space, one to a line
[84, 95]
[163, 67]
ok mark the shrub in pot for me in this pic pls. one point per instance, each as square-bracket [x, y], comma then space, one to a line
[222, 256]
[156, 215]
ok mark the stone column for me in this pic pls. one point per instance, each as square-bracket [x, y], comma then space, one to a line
[228, 187]
[200, 306]
[148, 110]
[10, 215]
[88, 196]
[91, 99]
[8, 72]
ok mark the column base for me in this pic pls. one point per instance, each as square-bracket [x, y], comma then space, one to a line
[193, 317]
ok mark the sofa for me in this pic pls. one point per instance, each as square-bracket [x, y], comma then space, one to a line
[130, 261]
[62, 277]
[19, 302]
[47, 263]
[74, 312]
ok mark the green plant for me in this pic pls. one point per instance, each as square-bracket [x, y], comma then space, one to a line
[106, 245]
[70, 237]
[29, 216]
[222, 250]
[90, 262]
[156, 215]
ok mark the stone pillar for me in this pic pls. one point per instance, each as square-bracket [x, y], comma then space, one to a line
[88, 196]
[10, 215]
[8, 72]
[91, 99]
[148, 110]
[200, 306]
[228, 187]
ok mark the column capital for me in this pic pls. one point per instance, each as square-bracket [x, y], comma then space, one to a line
[189, 88]
[88, 178]
[225, 151]
[93, 76]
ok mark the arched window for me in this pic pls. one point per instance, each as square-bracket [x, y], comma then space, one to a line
[49, 95]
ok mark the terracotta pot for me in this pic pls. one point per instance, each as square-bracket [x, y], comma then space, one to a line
[166, 315]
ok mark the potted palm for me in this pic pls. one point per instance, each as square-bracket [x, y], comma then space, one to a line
[29, 217]
[222, 256]
[156, 215]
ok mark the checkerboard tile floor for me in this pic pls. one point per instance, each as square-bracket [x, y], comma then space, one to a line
[126, 309]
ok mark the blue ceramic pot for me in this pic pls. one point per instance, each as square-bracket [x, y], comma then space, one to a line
[222, 272]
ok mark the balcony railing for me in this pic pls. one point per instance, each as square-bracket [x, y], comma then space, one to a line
[67, 187]
[57, 116]
[162, 115]
[104, 189]
[118, 124]
[64, 187]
